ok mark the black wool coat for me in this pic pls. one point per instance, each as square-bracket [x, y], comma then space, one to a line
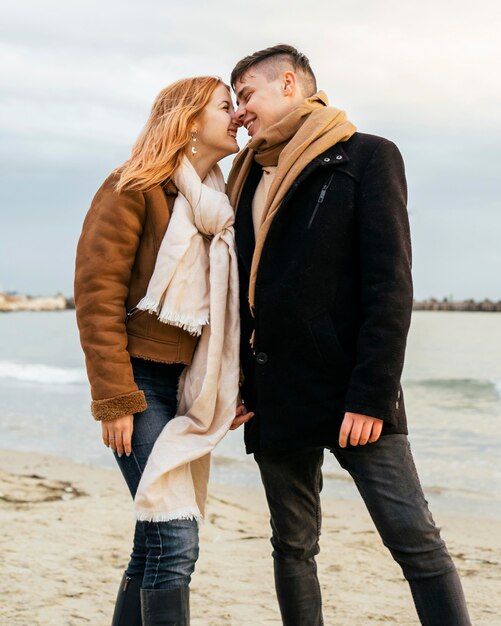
[333, 298]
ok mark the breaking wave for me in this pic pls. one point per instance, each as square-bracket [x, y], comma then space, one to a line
[470, 387]
[40, 373]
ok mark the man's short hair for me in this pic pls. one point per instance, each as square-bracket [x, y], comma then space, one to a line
[272, 61]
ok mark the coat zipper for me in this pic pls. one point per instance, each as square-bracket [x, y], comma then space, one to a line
[320, 200]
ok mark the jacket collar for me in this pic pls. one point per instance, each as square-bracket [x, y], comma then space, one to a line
[335, 155]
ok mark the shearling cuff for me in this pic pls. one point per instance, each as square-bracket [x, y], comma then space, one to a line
[119, 406]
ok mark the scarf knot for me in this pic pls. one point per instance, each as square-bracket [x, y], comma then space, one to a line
[203, 197]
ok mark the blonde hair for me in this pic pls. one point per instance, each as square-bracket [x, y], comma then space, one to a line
[159, 148]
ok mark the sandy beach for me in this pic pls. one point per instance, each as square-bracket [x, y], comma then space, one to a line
[67, 528]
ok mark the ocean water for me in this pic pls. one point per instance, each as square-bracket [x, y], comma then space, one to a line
[451, 382]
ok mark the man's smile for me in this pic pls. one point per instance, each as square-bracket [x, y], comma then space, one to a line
[249, 125]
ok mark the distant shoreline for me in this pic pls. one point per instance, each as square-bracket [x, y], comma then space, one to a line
[460, 305]
[15, 302]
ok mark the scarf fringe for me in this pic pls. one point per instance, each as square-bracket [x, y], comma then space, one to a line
[163, 516]
[192, 325]
[148, 304]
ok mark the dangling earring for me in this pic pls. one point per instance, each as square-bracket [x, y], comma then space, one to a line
[194, 142]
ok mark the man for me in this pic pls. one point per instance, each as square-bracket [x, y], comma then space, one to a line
[326, 298]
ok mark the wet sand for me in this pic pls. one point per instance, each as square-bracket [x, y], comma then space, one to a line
[66, 537]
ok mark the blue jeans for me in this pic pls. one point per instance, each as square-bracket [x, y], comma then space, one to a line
[164, 553]
[386, 477]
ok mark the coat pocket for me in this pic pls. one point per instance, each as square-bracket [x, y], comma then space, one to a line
[137, 322]
[326, 342]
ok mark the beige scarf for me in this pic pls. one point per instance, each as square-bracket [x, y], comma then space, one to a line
[292, 143]
[195, 286]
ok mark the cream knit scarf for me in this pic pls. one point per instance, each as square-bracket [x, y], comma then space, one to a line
[195, 286]
[294, 141]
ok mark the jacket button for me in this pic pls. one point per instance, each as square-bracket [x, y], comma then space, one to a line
[261, 358]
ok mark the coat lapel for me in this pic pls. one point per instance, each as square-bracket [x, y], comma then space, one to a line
[244, 228]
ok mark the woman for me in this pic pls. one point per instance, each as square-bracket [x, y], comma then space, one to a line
[157, 240]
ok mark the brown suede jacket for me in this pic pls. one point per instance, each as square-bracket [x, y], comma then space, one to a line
[116, 255]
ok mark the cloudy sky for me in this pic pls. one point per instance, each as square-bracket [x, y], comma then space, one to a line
[78, 79]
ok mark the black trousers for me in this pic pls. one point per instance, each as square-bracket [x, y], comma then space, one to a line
[386, 477]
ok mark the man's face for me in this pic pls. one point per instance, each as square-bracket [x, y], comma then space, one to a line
[261, 102]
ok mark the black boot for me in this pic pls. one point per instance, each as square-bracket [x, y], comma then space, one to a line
[165, 607]
[128, 603]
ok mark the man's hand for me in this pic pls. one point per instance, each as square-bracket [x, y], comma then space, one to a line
[117, 434]
[359, 429]
[241, 417]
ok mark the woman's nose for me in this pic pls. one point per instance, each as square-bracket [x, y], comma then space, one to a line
[239, 115]
[235, 121]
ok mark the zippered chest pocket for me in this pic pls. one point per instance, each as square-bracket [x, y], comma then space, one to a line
[320, 200]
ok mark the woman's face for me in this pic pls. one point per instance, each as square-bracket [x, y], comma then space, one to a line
[217, 126]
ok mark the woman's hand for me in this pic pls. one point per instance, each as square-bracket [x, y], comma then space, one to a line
[241, 417]
[117, 434]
